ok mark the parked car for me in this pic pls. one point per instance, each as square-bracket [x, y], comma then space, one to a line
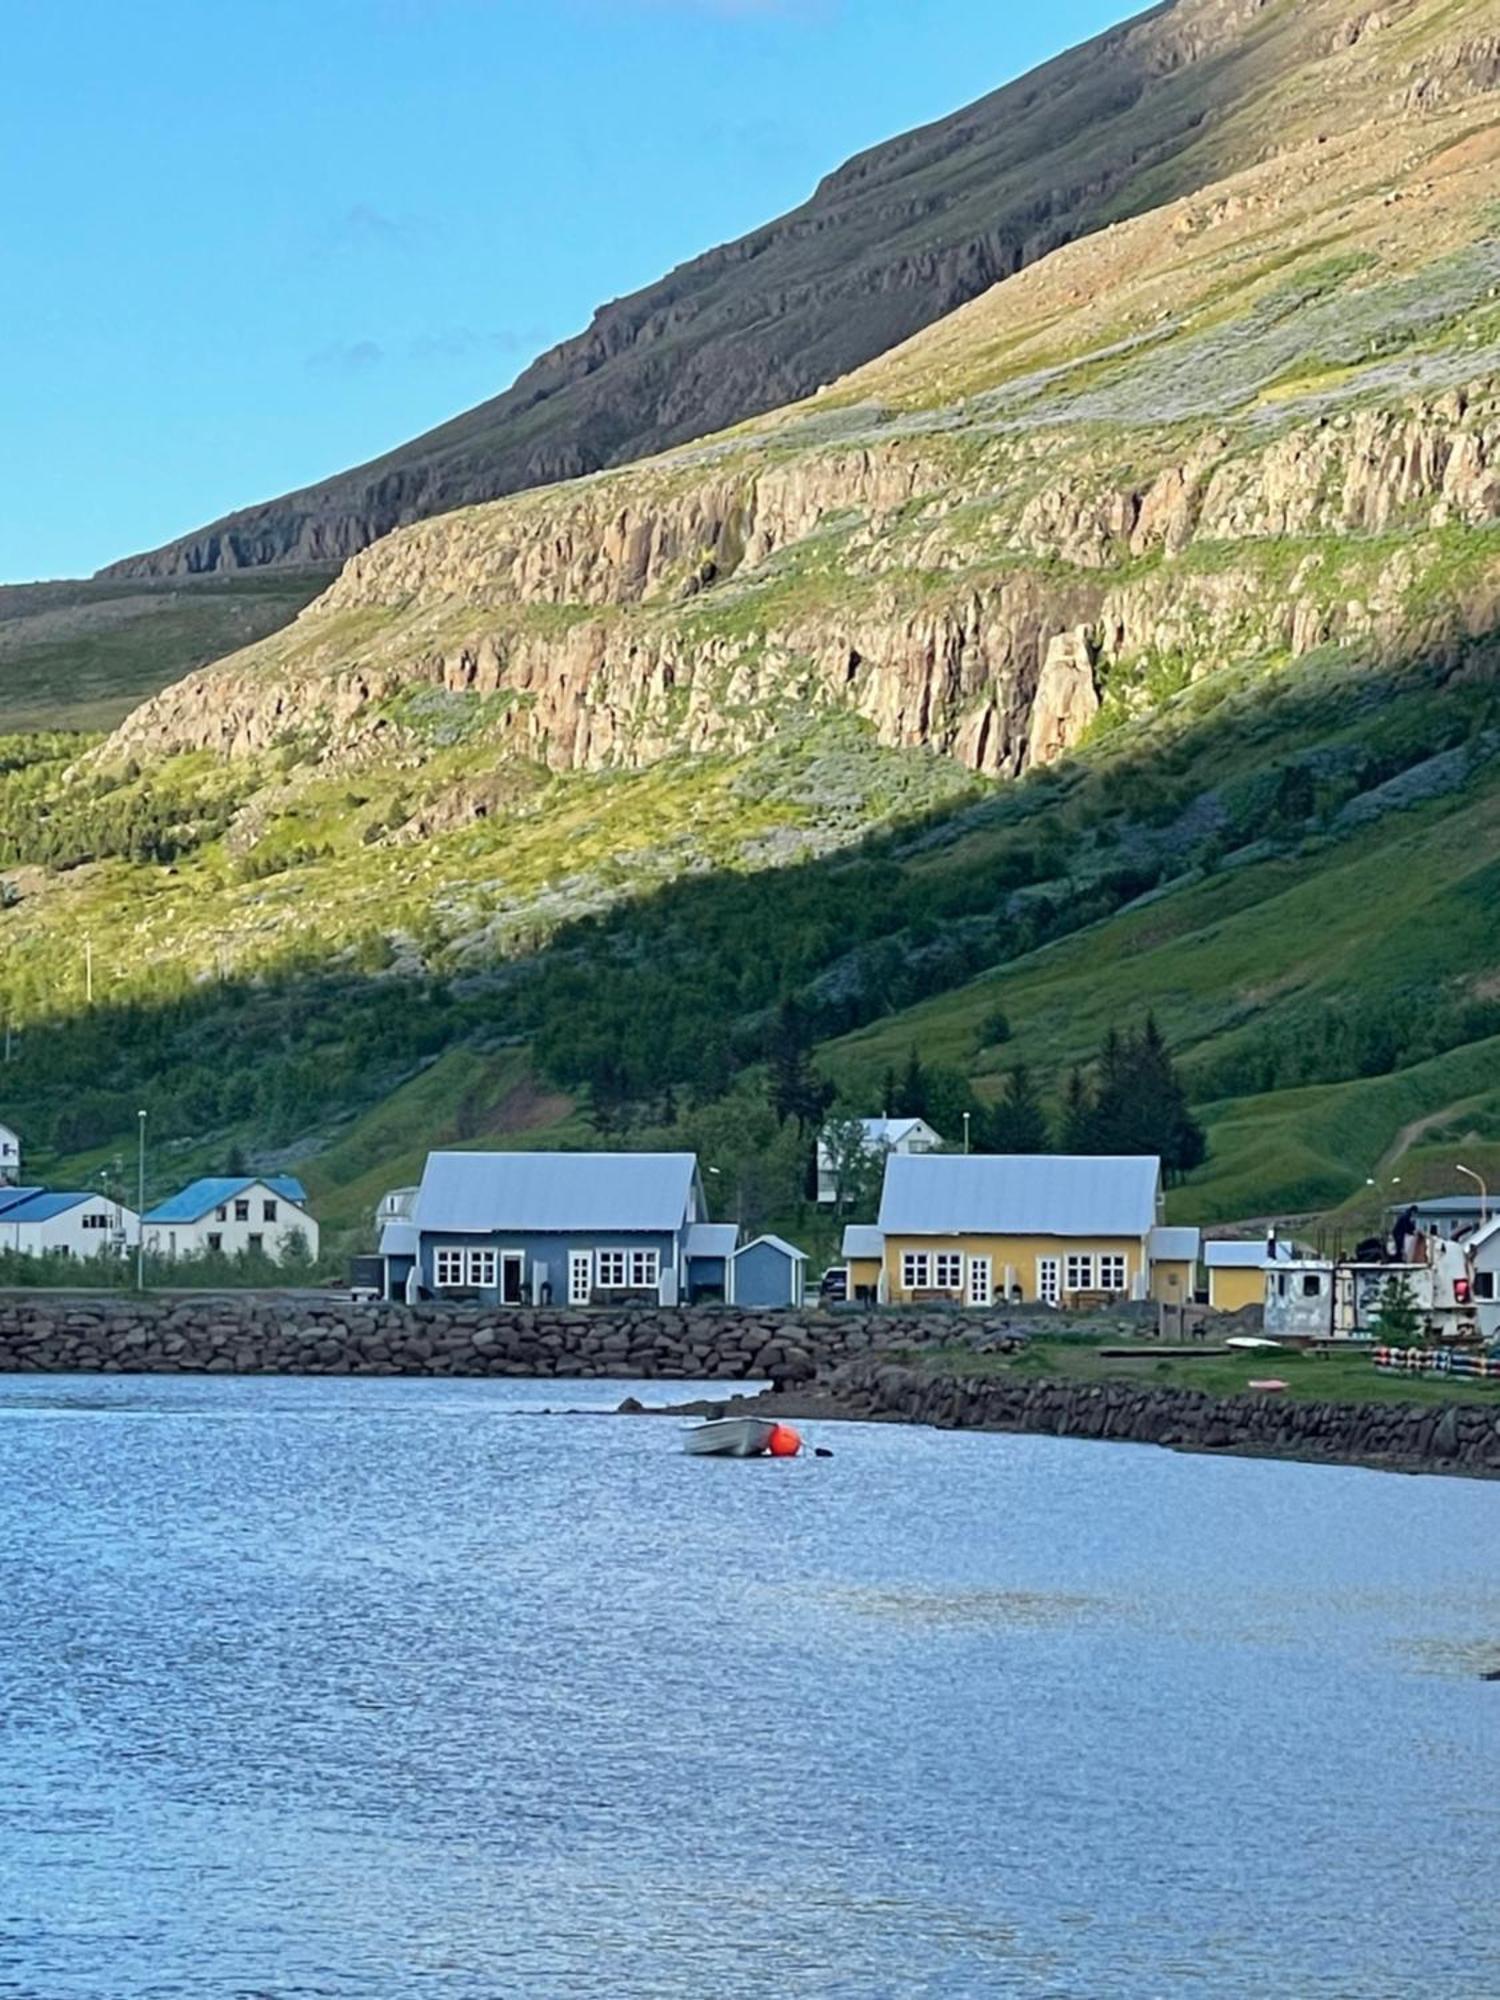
[833, 1287]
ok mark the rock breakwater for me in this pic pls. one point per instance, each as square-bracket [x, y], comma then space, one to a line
[301, 1334]
[1453, 1438]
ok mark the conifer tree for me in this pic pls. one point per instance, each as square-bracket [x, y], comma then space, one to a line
[1018, 1123]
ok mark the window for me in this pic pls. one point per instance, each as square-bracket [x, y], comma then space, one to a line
[448, 1269]
[1080, 1271]
[481, 1268]
[1312, 1285]
[221, 1215]
[948, 1271]
[257, 1245]
[612, 1270]
[242, 1211]
[645, 1269]
[1112, 1276]
[96, 1222]
[1281, 1284]
[1484, 1284]
[268, 1211]
[215, 1240]
[916, 1268]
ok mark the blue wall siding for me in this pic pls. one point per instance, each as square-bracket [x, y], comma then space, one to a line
[550, 1251]
[706, 1274]
[765, 1276]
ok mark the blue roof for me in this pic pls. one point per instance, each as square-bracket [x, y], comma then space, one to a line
[196, 1200]
[486, 1192]
[10, 1196]
[41, 1207]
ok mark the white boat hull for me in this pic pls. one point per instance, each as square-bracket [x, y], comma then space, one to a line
[729, 1437]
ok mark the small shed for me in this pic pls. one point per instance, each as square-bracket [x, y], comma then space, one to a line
[708, 1249]
[1237, 1272]
[1174, 1265]
[769, 1272]
[864, 1252]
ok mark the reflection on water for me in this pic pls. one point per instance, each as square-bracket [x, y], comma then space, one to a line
[372, 1689]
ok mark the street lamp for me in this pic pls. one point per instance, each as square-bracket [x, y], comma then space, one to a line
[1484, 1193]
[967, 1116]
[140, 1198]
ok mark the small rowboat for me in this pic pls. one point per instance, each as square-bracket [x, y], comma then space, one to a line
[730, 1437]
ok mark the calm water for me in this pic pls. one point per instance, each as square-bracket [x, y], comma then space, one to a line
[388, 1689]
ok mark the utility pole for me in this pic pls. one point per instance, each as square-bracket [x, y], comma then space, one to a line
[140, 1195]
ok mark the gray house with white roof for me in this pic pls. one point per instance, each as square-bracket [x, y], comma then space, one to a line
[558, 1228]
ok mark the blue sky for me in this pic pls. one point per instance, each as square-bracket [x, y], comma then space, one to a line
[245, 246]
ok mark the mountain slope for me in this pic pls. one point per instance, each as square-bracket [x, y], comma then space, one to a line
[1146, 607]
[892, 242]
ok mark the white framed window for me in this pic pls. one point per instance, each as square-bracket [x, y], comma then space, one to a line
[1112, 1272]
[1048, 1280]
[1484, 1284]
[613, 1266]
[948, 1271]
[96, 1222]
[916, 1271]
[1080, 1271]
[447, 1269]
[481, 1269]
[645, 1270]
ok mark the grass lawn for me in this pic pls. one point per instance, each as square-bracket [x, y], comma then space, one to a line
[1331, 1378]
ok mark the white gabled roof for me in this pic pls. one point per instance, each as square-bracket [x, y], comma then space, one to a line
[474, 1193]
[1019, 1194]
[776, 1243]
[1175, 1245]
[1244, 1256]
[863, 1239]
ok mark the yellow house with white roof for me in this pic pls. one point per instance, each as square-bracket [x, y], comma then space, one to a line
[1050, 1229]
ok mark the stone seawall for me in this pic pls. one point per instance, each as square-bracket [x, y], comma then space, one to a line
[1453, 1438]
[300, 1334]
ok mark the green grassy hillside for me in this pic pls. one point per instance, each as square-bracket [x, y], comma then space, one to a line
[80, 655]
[1127, 643]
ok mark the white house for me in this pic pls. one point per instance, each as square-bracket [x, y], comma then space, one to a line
[882, 1137]
[10, 1158]
[37, 1223]
[1483, 1249]
[233, 1217]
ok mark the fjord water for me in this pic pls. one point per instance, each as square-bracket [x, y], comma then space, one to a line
[360, 1688]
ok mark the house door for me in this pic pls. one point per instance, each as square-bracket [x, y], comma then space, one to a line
[580, 1277]
[1049, 1280]
[981, 1281]
[512, 1274]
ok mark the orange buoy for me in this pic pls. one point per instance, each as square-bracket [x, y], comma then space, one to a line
[783, 1442]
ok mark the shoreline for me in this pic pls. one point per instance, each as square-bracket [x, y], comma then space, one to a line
[1459, 1441]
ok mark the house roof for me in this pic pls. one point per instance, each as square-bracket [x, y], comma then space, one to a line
[1175, 1246]
[10, 1196]
[399, 1239]
[196, 1200]
[1483, 1235]
[774, 1243]
[472, 1193]
[1018, 1194]
[41, 1205]
[1245, 1256]
[863, 1239]
[712, 1239]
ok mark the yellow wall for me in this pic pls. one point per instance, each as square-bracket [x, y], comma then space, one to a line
[1173, 1281]
[864, 1274]
[1021, 1252]
[1230, 1291]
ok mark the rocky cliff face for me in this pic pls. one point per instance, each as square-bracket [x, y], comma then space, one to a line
[889, 244]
